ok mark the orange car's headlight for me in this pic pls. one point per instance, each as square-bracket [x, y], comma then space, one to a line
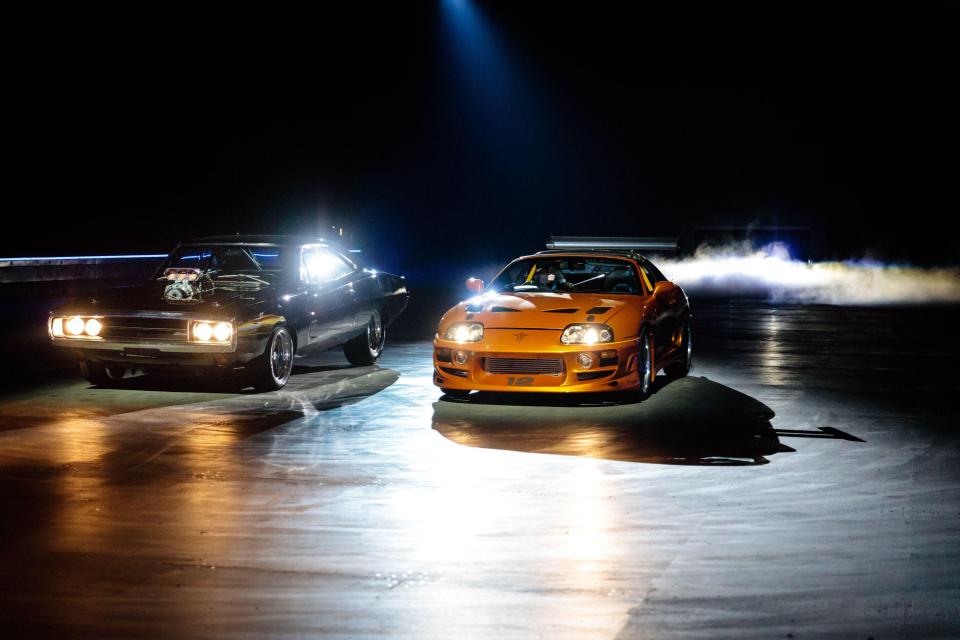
[464, 332]
[586, 334]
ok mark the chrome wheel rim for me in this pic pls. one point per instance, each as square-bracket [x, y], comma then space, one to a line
[375, 334]
[645, 378]
[689, 338]
[281, 356]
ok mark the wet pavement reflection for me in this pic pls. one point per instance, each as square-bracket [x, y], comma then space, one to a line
[688, 421]
[793, 474]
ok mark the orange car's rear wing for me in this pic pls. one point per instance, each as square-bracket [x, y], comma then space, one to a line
[600, 243]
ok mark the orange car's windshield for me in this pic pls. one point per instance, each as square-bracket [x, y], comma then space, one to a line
[569, 274]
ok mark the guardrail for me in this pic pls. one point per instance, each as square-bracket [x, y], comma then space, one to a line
[69, 275]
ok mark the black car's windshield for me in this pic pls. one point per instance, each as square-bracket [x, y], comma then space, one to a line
[570, 274]
[226, 259]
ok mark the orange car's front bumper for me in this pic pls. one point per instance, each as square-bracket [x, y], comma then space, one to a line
[516, 359]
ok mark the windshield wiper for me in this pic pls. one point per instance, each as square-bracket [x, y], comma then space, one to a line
[253, 278]
[574, 286]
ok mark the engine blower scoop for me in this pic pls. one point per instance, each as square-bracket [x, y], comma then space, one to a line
[183, 284]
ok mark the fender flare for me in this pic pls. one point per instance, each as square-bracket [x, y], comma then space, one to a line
[275, 320]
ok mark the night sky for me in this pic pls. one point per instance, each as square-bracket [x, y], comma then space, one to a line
[474, 130]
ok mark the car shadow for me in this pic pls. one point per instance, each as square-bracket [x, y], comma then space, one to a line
[690, 421]
[304, 395]
[173, 382]
[219, 383]
[301, 369]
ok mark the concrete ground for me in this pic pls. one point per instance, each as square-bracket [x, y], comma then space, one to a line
[802, 482]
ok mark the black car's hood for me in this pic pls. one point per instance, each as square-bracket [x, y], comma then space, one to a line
[221, 300]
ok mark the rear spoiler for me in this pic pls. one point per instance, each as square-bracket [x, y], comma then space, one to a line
[599, 243]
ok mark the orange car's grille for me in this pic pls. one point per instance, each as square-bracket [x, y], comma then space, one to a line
[536, 366]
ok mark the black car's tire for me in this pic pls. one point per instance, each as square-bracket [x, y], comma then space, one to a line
[272, 369]
[681, 367]
[644, 365]
[456, 393]
[100, 374]
[363, 350]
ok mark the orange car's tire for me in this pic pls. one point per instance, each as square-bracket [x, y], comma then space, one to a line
[644, 365]
[681, 367]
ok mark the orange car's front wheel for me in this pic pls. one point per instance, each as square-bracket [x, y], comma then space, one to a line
[645, 364]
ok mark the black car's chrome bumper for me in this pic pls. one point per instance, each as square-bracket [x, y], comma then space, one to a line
[87, 344]
[146, 354]
[156, 355]
[145, 339]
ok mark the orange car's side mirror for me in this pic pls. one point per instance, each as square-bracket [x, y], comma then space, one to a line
[662, 287]
[475, 285]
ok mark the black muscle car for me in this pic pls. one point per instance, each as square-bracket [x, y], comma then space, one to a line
[242, 305]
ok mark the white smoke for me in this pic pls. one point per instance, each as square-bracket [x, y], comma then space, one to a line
[770, 272]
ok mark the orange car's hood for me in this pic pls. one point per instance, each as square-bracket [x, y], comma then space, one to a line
[537, 310]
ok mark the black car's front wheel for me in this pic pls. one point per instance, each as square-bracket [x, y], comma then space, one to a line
[364, 349]
[272, 369]
[101, 374]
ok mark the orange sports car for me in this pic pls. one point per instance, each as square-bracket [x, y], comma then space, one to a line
[587, 315]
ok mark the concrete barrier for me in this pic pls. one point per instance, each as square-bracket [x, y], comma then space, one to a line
[29, 277]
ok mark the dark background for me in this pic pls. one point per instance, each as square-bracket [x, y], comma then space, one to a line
[471, 131]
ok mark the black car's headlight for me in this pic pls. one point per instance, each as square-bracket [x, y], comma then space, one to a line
[586, 334]
[76, 327]
[464, 332]
[211, 332]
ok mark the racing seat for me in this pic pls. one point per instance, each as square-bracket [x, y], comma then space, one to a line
[621, 281]
[558, 282]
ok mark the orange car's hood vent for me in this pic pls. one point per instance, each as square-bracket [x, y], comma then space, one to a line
[534, 310]
[598, 311]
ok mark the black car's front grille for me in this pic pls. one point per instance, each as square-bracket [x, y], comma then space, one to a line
[144, 329]
[535, 366]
